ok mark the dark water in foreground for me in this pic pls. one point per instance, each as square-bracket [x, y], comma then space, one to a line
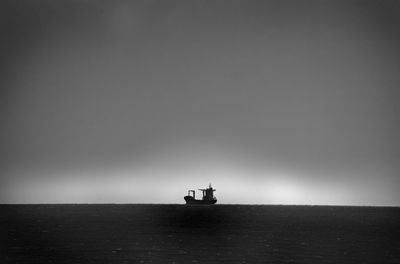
[198, 234]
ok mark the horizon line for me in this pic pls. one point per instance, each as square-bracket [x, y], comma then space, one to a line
[255, 204]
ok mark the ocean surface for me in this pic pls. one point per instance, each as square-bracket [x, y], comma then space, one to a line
[198, 234]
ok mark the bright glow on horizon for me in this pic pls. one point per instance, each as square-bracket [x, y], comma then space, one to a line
[234, 185]
[283, 192]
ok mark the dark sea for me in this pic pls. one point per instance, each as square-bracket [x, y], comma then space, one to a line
[198, 234]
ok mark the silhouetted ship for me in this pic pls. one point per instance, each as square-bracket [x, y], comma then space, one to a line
[208, 196]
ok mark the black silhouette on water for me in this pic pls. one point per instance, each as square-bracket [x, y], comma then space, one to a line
[208, 196]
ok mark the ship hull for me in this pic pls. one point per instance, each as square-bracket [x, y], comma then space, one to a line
[191, 200]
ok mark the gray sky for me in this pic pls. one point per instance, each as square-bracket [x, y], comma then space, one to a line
[292, 102]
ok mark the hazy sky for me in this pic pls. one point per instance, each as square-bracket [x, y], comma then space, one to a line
[290, 102]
